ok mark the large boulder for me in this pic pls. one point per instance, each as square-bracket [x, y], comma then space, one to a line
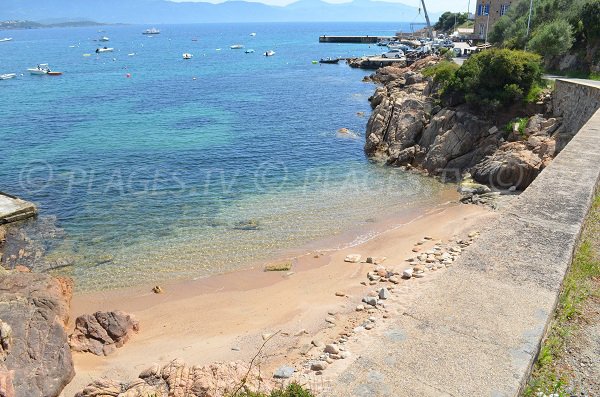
[513, 164]
[179, 379]
[103, 332]
[37, 358]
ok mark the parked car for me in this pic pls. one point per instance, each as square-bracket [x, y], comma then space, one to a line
[394, 53]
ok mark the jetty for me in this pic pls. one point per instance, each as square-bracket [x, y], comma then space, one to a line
[13, 209]
[354, 39]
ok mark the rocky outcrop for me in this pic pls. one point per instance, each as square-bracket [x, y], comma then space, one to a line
[407, 128]
[34, 309]
[179, 379]
[103, 332]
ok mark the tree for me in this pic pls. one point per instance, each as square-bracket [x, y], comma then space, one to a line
[552, 39]
[447, 21]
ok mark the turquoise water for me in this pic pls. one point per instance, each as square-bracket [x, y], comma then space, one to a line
[157, 167]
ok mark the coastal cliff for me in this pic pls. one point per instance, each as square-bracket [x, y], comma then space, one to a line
[410, 128]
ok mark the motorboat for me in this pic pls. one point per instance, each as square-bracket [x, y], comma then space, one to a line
[269, 53]
[329, 60]
[187, 55]
[151, 31]
[249, 51]
[51, 73]
[252, 34]
[104, 49]
[6, 39]
[236, 47]
[104, 39]
[41, 69]
[7, 76]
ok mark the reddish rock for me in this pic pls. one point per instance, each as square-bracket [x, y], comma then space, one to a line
[103, 332]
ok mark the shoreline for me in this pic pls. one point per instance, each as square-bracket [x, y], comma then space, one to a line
[223, 317]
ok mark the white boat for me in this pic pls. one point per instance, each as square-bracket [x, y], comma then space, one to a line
[249, 51]
[151, 31]
[187, 55]
[252, 34]
[104, 39]
[236, 47]
[269, 53]
[7, 76]
[5, 39]
[42, 68]
[104, 49]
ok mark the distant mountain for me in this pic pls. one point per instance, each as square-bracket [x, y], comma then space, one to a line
[163, 11]
[14, 24]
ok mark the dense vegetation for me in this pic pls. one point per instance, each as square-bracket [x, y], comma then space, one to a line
[449, 20]
[489, 79]
[557, 27]
[292, 390]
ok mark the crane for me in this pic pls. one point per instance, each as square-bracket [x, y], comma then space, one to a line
[429, 30]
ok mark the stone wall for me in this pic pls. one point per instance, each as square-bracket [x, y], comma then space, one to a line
[576, 101]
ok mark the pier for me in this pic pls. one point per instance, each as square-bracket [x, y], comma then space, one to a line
[13, 209]
[354, 39]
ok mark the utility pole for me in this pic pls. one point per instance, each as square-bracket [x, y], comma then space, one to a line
[429, 31]
[528, 22]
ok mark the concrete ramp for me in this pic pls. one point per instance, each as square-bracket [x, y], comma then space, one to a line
[13, 209]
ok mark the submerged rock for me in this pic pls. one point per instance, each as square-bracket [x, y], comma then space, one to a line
[251, 224]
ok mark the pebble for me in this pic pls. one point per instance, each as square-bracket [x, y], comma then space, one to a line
[266, 336]
[416, 249]
[352, 258]
[372, 319]
[236, 348]
[330, 320]
[332, 349]
[428, 238]
[157, 289]
[369, 326]
[394, 280]
[473, 234]
[338, 293]
[317, 343]
[345, 354]
[384, 293]
[332, 312]
[407, 273]
[370, 300]
[329, 360]
[419, 269]
[360, 308]
[284, 372]
[318, 366]
[419, 275]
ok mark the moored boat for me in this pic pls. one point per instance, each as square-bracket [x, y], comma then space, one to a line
[104, 49]
[252, 34]
[151, 31]
[249, 51]
[187, 55]
[269, 53]
[41, 69]
[51, 73]
[5, 39]
[236, 47]
[7, 76]
[104, 39]
[329, 60]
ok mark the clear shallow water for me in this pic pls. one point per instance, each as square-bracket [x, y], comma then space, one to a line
[159, 174]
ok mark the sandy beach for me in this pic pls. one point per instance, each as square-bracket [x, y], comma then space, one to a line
[224, 317]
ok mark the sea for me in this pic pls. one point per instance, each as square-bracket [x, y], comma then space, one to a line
[149, 167]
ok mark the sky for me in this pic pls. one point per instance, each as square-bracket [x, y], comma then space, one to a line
[432, 5]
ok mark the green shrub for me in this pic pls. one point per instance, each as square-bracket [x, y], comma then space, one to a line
[443, 73]
[552, 39]
[292, 390]
[495, 78]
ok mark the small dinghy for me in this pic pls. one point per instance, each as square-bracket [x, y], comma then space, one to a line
[50, 73]
[269, 53]
[104, 49]
[236, 47]
[187, 55]
[249, 51]
[7, 76]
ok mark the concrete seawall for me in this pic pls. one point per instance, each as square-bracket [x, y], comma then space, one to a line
[13, 209]
[479, 328]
